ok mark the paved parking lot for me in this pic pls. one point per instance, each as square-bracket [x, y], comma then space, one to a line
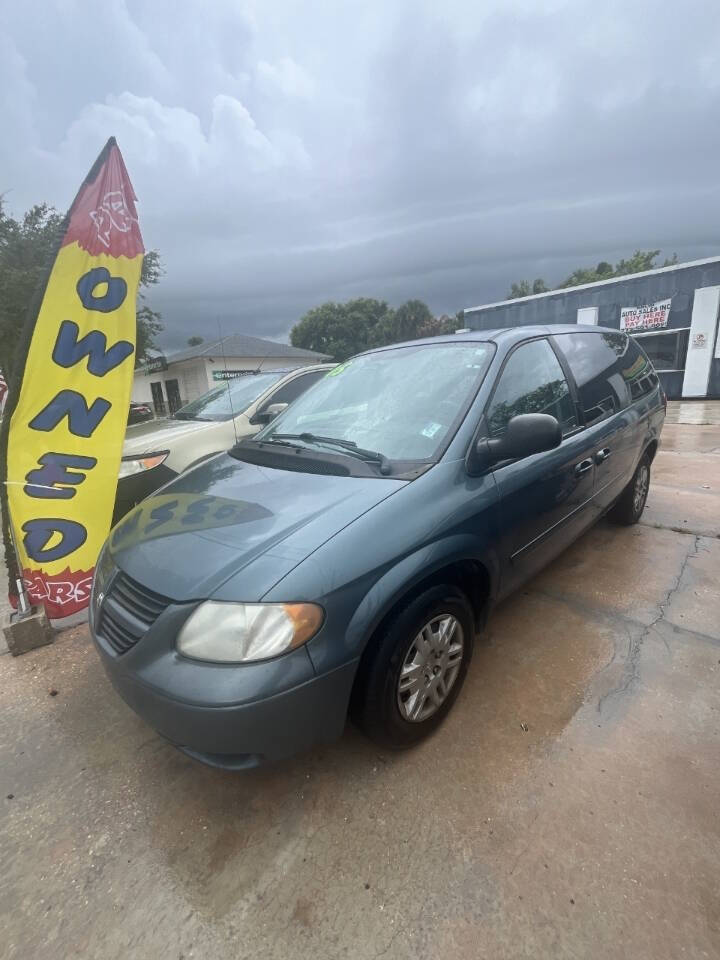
[592, 833]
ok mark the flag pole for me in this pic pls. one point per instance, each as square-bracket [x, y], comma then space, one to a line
[24, 607]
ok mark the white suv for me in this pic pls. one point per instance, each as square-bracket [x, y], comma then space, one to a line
[158, 450]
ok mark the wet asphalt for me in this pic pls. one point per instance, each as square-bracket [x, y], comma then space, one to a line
[567, 808]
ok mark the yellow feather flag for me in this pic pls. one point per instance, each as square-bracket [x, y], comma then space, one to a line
[70, 410]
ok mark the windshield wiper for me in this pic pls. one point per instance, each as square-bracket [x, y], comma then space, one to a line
[349, 446]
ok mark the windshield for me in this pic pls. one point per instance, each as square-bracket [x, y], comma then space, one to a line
[229, 398]
[401, 403]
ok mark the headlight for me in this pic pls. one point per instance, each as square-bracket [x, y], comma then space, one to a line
[129, 467]
[234, 632]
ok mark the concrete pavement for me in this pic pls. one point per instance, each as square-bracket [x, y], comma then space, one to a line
[593, 833]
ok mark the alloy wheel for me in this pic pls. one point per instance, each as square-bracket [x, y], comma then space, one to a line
[642, 482]
[430, 668]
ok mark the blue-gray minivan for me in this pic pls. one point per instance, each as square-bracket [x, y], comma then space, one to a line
[343, 560]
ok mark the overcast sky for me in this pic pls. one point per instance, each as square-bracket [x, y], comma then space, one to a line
[289, 152]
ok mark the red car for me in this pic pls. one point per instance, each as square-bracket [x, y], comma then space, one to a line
[139, 412]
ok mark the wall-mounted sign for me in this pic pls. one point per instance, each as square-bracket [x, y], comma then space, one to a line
[699, 341]
[230, 374]
[650, 316]
[155, 365]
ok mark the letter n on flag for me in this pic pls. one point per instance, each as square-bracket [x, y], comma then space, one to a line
[68, 415]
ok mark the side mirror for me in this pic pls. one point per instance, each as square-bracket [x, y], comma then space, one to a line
[269, 413]
[525, 434]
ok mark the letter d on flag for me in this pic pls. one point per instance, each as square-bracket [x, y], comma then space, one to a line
[69, 407]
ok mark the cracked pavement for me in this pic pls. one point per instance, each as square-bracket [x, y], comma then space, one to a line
[593, 833]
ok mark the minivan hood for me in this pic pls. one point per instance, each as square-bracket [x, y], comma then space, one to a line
[155, 435]
[226, 516]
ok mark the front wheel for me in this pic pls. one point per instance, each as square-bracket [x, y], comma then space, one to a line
[417, 668]
[632, 500]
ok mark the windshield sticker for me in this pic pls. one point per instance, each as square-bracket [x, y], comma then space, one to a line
[431, 429]
[338, 369]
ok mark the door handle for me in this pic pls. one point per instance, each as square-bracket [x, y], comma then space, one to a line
[602, 454]
[583, 467]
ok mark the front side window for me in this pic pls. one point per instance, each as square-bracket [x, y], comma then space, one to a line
[230, 398]
[597, 361]
[402, 403]
[532, 381]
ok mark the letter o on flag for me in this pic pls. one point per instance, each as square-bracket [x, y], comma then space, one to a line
[111, 299]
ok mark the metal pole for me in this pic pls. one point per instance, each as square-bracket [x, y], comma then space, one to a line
[24, 608]
[22, 599]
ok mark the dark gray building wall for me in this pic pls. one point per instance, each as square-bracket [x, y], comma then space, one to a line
[562, 307]
[610, 298]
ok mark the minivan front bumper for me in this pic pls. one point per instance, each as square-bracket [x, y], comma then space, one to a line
[242, 734]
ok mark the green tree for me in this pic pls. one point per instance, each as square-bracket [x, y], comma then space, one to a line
[341, 329]
[525, 288]
[148, 321]
[411, 320]
[640, 261]
[521, 289]
[344, 329]
[195, 341]
[27, 246]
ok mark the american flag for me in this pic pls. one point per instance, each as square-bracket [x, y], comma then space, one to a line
[3, 388]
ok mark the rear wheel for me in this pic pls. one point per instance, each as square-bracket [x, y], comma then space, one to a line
[417, 668]
[632, 500]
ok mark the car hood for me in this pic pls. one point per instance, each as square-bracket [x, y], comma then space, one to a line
[226, 516]
[155, 435]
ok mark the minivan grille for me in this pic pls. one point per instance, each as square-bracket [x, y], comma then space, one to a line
[128, 612]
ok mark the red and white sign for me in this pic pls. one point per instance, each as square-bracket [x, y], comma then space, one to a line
[651, 316]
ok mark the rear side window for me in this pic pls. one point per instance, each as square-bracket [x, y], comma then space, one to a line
[638, 372]
[531, 382]
[293, 388]
[597, 361]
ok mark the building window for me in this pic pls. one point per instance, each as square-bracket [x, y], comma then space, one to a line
[667, 351]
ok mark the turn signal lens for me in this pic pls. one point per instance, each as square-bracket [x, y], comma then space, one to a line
[307, 619]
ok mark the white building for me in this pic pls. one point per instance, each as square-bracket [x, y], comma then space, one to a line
[168, 383]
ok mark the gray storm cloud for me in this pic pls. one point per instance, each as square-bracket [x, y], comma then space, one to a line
[285, 154]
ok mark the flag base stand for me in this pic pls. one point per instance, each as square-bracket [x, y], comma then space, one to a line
[28, 630]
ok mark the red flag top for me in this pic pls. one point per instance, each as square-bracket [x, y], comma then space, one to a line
[103, 218]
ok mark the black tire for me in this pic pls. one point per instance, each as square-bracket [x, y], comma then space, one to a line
[630, 504]
[376, 706]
